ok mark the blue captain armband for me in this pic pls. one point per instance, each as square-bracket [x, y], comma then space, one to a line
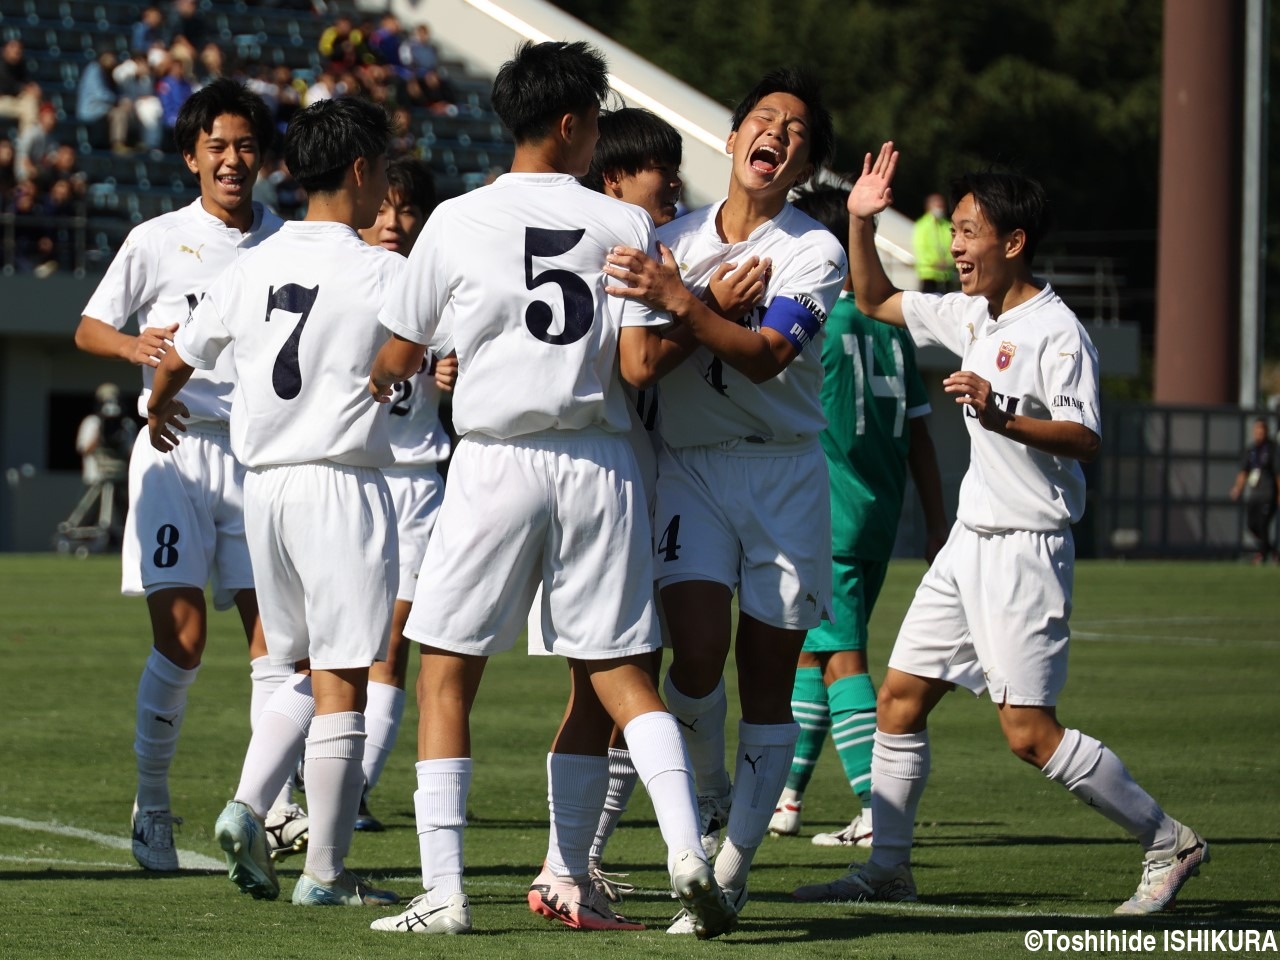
[793, 319]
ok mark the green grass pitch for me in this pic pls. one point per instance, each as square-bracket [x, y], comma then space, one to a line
[1175, 666]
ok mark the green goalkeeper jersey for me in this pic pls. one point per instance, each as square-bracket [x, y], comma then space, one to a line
[870, 390]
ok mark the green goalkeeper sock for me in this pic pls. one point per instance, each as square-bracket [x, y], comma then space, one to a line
[853, 727]
[809, 706]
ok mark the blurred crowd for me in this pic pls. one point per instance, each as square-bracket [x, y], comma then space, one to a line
[128, 105]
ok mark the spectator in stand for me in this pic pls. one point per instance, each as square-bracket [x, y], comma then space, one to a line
[19, 94]
[385, 42]
[428, 84]
[8, 173]
[325, 88]
[186, 22]
[57, 249]
[30, 238]
[99, 106]
[211, 64]
[35, 143]
[148, 32]
[931, 238]
[403, 140]
[173, 88]
[135, 85]
[62, 164]
[343, 44]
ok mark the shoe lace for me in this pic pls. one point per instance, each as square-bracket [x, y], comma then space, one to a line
[610, 886]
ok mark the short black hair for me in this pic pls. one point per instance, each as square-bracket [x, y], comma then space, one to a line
[801, 85]
[218, 98]
[324, 139]
[544, 81]
[830, 207]
[632, 139]
[412, 179]
[1010, 202]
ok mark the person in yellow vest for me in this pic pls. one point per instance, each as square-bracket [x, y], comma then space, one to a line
[931, 239]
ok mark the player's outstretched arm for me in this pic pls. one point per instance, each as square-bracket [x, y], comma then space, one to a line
[759, 355]
[922, 461]
[399, 359]
[871, 195]
[164, 409]
[1062, 438]
[103, 340]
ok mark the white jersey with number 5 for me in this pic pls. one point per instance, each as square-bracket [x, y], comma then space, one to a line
[300, 314]
[160, 274]
[704, 400]
[1040, 363]
[516, 269]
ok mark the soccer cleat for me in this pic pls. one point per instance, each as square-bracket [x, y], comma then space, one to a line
[152, 832]
[785, 821]
[579, 906]
[706, 906]
[685, 922]
[1162, 879]
[243, 838]
[452, 916]
[861, 884]
[365, 820]
[610, 885]
[348, 890]
[713, 817]
[856, 834]
[287, 829]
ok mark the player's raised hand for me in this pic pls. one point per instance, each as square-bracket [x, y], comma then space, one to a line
[736, 288]
[152, 344]
[657, 285]
[446, 372]
[873, 191]
[162, 423]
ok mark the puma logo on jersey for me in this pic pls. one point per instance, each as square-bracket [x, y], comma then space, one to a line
[813, 601]
[972, 336]
[1065, 354]
[747, 757]
[183, 248]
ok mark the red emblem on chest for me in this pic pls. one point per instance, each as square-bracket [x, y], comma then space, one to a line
[1005, 356]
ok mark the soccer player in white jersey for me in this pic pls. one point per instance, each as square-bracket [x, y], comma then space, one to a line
[299, 318]
[419, 443]
[992, 611]
[185, 523]
[742, 482]
[543, 489]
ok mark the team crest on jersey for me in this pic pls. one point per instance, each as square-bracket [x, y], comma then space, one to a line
[1005, 356]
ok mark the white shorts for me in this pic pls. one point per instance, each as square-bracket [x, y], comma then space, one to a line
[324, 548]
[185, 524]
[991, 613]
[416, 493]
[564, 509]
[758, 523]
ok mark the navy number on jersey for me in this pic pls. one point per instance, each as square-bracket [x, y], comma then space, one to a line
[669, 543]
[579, 307]
[286, 375]
[166, 554]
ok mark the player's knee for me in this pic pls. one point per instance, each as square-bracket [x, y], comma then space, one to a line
[1030, 746]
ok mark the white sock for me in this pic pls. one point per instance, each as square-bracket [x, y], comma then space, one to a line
[1095, 775]
[899, 772]
[765, 752]
[794, 797]
[277, 741]
[576, 788]
[440, 806]
[382, 713]
[702, 726]
[622, 781]
[162, 701]
[662, 764]
[265, 678]
[335, 747]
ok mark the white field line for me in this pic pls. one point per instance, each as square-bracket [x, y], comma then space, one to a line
[51, 862]
[187, 859]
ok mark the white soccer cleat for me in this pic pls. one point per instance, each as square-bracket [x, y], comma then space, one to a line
[705, 905]
[785, 821]
[348, 890]
[288, 830]
[862, 883]
[685, 923]
[152, 832]
[579, 906]
[713, 817]
[856, 834]
[1163, 878]
[452, 916]
[243, 838]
